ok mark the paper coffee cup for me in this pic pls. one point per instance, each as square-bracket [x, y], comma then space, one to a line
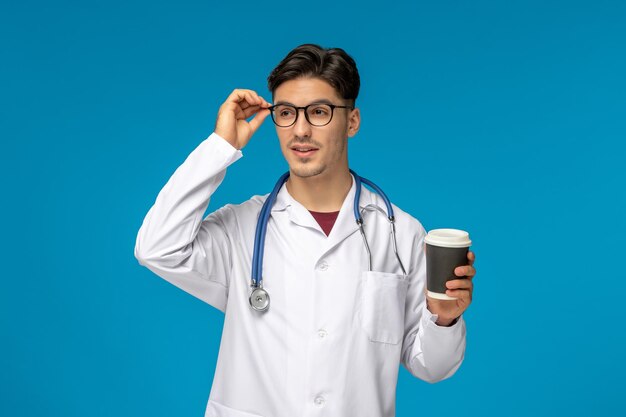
[445, 250]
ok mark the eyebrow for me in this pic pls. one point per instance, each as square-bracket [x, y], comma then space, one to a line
[318, 101]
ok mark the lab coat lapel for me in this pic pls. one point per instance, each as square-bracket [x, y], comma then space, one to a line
[346, 225]
[296, 212]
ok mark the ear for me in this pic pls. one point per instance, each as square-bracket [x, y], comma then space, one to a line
[354, 122]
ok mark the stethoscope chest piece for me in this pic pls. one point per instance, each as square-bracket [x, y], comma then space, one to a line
[259, 299]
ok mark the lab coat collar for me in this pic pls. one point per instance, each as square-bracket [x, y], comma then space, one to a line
[345, 224]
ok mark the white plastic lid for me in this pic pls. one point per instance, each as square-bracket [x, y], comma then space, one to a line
[448, 238]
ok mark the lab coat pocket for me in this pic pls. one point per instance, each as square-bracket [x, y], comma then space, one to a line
[382, 306]
[215, 409]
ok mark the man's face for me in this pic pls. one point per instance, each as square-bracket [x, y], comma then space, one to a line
[315, 150]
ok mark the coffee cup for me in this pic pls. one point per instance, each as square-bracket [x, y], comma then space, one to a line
[446, 249]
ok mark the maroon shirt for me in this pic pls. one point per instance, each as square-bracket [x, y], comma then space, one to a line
[325, 220]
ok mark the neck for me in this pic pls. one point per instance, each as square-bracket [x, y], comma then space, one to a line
[320, 193]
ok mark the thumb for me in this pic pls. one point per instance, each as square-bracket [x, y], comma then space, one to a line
[258, 119]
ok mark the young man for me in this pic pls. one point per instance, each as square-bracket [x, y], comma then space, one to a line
[336, 331]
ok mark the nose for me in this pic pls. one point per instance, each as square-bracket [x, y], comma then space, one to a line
[302, 128]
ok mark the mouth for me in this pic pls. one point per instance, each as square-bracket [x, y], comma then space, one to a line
[304, 151]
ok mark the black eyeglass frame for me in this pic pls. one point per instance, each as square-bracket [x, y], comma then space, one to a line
[306, 114]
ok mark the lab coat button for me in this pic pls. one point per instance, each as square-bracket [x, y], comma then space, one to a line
[320, 401]
[323, 266]
[321, 333]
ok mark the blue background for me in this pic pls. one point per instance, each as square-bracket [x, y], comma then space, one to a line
[506, 119]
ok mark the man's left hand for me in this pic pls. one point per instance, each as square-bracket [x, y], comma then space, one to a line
[450, 310]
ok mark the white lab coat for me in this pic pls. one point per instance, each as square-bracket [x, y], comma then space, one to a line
[334, 335]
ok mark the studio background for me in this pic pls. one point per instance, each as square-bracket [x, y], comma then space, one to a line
[506, 119]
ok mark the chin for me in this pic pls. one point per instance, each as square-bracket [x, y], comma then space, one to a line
[305, 171]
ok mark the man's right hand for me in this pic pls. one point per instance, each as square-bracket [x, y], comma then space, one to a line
[231, 121]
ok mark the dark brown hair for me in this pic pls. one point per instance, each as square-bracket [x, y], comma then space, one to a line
[332, 65]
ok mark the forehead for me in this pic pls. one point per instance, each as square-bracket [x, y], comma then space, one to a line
[302, 91]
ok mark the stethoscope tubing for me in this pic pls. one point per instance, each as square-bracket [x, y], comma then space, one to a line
[378, 190]
[259, 298]
[261, 230]
[264, 215]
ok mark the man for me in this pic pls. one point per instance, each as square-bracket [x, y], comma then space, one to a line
[332, 340]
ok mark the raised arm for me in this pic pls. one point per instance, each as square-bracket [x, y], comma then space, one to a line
[174, 241]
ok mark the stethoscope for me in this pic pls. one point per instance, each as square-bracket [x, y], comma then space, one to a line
[259, 298]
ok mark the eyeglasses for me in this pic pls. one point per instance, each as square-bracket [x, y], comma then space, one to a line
[317, 114]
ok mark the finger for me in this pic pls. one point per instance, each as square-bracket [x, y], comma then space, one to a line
[460, 284]
[252, 99]
[258, 119]
[244, 98]
[247, 101]
[259, 100]
[229, 108]
[464, 295]
[236, 96]
[465, 271]
[265, 104]
[249, 111]
[236, 108]
[471, 257]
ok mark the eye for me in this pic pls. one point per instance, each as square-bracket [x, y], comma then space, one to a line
[285, 111]
[320, 111]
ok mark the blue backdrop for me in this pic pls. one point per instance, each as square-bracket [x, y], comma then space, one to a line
[525, 101]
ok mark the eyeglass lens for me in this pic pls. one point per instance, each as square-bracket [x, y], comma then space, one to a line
[285, 115]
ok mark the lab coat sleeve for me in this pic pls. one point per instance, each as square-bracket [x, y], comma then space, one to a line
[429, 352]
[175, 242]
